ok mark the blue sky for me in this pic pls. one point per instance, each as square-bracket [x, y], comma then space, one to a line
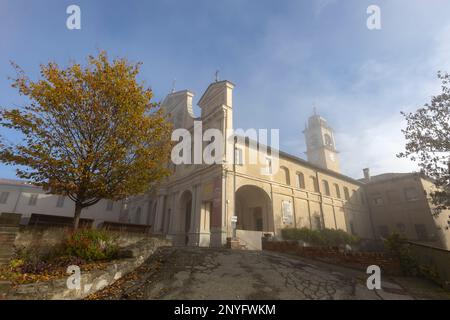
[283, 56]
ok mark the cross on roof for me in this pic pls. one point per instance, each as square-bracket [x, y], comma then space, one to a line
[217, 75]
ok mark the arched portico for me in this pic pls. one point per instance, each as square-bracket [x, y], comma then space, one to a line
[253, 209]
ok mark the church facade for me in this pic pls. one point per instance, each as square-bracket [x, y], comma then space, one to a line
[197, 204]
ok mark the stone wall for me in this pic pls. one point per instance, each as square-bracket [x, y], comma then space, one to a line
[39, 236]
[92, 281]
[433, 259]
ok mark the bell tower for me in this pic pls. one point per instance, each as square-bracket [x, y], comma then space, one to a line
[320, 144]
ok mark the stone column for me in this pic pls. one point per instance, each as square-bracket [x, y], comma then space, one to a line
[194, 228]
[158, 229]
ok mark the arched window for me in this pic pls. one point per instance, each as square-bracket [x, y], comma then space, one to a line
[301, 180]
[328, 140]
[314, 183]
[338, 191]
[326, 187]
[346, 193]
[286, 177]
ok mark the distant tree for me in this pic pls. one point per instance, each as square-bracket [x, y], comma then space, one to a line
[88, 132]
[428, 142]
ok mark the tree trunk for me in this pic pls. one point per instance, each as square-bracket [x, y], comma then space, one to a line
[76, 219]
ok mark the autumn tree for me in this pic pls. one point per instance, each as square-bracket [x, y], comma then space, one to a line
[87, 132]
[428, 142]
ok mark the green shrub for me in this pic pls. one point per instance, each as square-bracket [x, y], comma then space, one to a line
[396, 246]
[91, 245]
[324, 237]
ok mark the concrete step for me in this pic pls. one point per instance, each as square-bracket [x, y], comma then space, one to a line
[9, 230]
[5, 236]
[8, 235]
[6, 249]
[7, 256]
[4, 261]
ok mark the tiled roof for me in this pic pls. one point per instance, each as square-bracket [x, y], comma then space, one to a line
[13, 182]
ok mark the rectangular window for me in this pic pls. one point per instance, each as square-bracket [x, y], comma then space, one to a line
[4, 197]
[205, 216]
[377, 199]
[60, 201]
[109, 205]
[33, 200]
[239, 157]
[384, 231]
[421, 231]
[411, 194]
[401, 228]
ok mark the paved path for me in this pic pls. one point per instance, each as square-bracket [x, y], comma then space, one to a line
[199, 273]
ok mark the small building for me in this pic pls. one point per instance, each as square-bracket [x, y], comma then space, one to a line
[35, 204]
[400, 202]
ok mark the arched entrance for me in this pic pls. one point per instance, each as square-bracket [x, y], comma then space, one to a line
[186, 214]
[253, 209]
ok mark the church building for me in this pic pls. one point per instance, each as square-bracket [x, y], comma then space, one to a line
[199, 203]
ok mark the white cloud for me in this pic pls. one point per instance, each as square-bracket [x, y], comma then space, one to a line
[375, 147]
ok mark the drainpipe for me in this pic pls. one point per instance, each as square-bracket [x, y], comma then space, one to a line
[234, 224]
[321, 200]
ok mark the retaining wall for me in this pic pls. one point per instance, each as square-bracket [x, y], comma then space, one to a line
[91, 281]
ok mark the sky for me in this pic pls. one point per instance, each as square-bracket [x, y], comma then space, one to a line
[283, 56]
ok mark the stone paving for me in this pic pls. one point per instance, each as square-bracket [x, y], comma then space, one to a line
[203, 273]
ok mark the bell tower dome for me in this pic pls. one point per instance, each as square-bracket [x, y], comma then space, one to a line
[320, 144]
